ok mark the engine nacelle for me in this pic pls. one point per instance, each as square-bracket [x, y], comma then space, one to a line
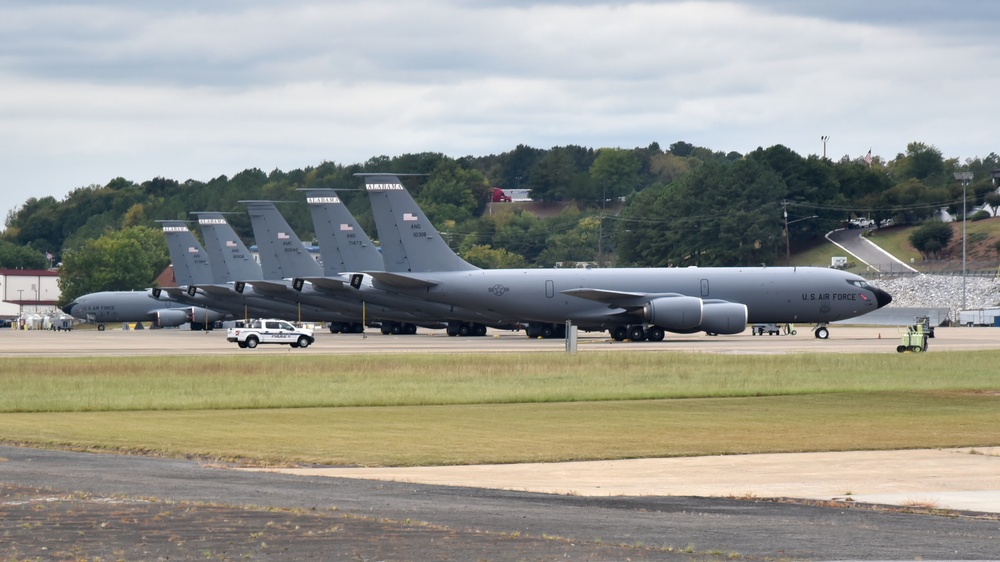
[724, 318]
[205, 315]
[675, 314]
[172, 317]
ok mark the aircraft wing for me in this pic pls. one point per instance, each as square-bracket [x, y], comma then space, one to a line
[270, 287]
[615, 299]
[221, 290]
[402, 280]
[328, 283]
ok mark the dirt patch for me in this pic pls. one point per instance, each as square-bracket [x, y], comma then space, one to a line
[41, 524]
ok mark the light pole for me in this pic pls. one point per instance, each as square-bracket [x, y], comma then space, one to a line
[824, 138]
[965, 178]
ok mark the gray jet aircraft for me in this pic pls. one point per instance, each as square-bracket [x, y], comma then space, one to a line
[190, 266]
[631, 303]
[346, 250]
[233, 269]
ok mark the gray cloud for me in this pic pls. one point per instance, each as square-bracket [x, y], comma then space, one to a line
[93, 90]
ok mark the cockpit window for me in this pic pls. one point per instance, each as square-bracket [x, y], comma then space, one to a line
[861, 284]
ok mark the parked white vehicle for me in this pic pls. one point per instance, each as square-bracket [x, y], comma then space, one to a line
[257, 332]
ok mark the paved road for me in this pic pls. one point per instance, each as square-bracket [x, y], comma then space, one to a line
[758, 529]
[843, 339]
[865, 251]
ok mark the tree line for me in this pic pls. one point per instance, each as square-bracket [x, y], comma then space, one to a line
[643, 206]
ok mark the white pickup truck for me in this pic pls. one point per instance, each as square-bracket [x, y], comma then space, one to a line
[270, 331]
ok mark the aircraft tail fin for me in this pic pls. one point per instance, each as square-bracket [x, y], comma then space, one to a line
[343, 244]
[228, 255]
[409, 241]
[189, 258]
[282, 254]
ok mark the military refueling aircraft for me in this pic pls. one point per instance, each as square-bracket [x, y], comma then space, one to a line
[233, 269]
[190, 266]
[631, 303]
[345, 248]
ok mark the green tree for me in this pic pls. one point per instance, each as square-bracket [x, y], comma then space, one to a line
[615, 172]
[922, 162]
[487, 257]
[13, 256]
[453, 193]
[121, 260]
[551, 177]
[931, 238]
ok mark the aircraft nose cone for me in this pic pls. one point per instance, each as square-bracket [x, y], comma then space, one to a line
[68, 309]
[883, 298]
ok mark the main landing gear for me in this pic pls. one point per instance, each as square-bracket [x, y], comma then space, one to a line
[637, 332]
[465, 329]
[346, 327]
[398, 328]
[536, 330]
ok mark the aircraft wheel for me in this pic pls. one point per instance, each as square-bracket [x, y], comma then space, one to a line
[100, 327]
[410, 329]
[464, 330]
[452, 331]
[303, 341]
[480, 330]
[252, 342]
[637, 333]
[822, 333]
[655, 333]
[619, 333]
[547, 332]
[396, 329]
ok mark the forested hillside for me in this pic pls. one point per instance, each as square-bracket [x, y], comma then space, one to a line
[685, 205]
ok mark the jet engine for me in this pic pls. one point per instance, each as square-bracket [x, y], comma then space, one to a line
[675, 314]
[172, 317]
[204, 315]
[721, 317]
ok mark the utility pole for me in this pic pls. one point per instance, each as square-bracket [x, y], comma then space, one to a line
[965, 178]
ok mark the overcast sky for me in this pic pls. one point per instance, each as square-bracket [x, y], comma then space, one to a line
[93, 90]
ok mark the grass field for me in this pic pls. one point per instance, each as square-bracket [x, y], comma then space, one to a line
[450, 409]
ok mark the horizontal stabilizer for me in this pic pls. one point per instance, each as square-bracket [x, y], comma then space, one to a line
[401, 280]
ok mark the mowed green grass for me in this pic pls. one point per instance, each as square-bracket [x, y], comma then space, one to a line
[453, 409]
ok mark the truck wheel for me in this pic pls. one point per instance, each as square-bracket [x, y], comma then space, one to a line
[303, 341]
[252, 341]
[242, 344]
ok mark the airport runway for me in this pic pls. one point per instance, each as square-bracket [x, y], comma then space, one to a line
[115, 342]
[715, 503]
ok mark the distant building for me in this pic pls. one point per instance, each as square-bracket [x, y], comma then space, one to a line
[28, 290]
